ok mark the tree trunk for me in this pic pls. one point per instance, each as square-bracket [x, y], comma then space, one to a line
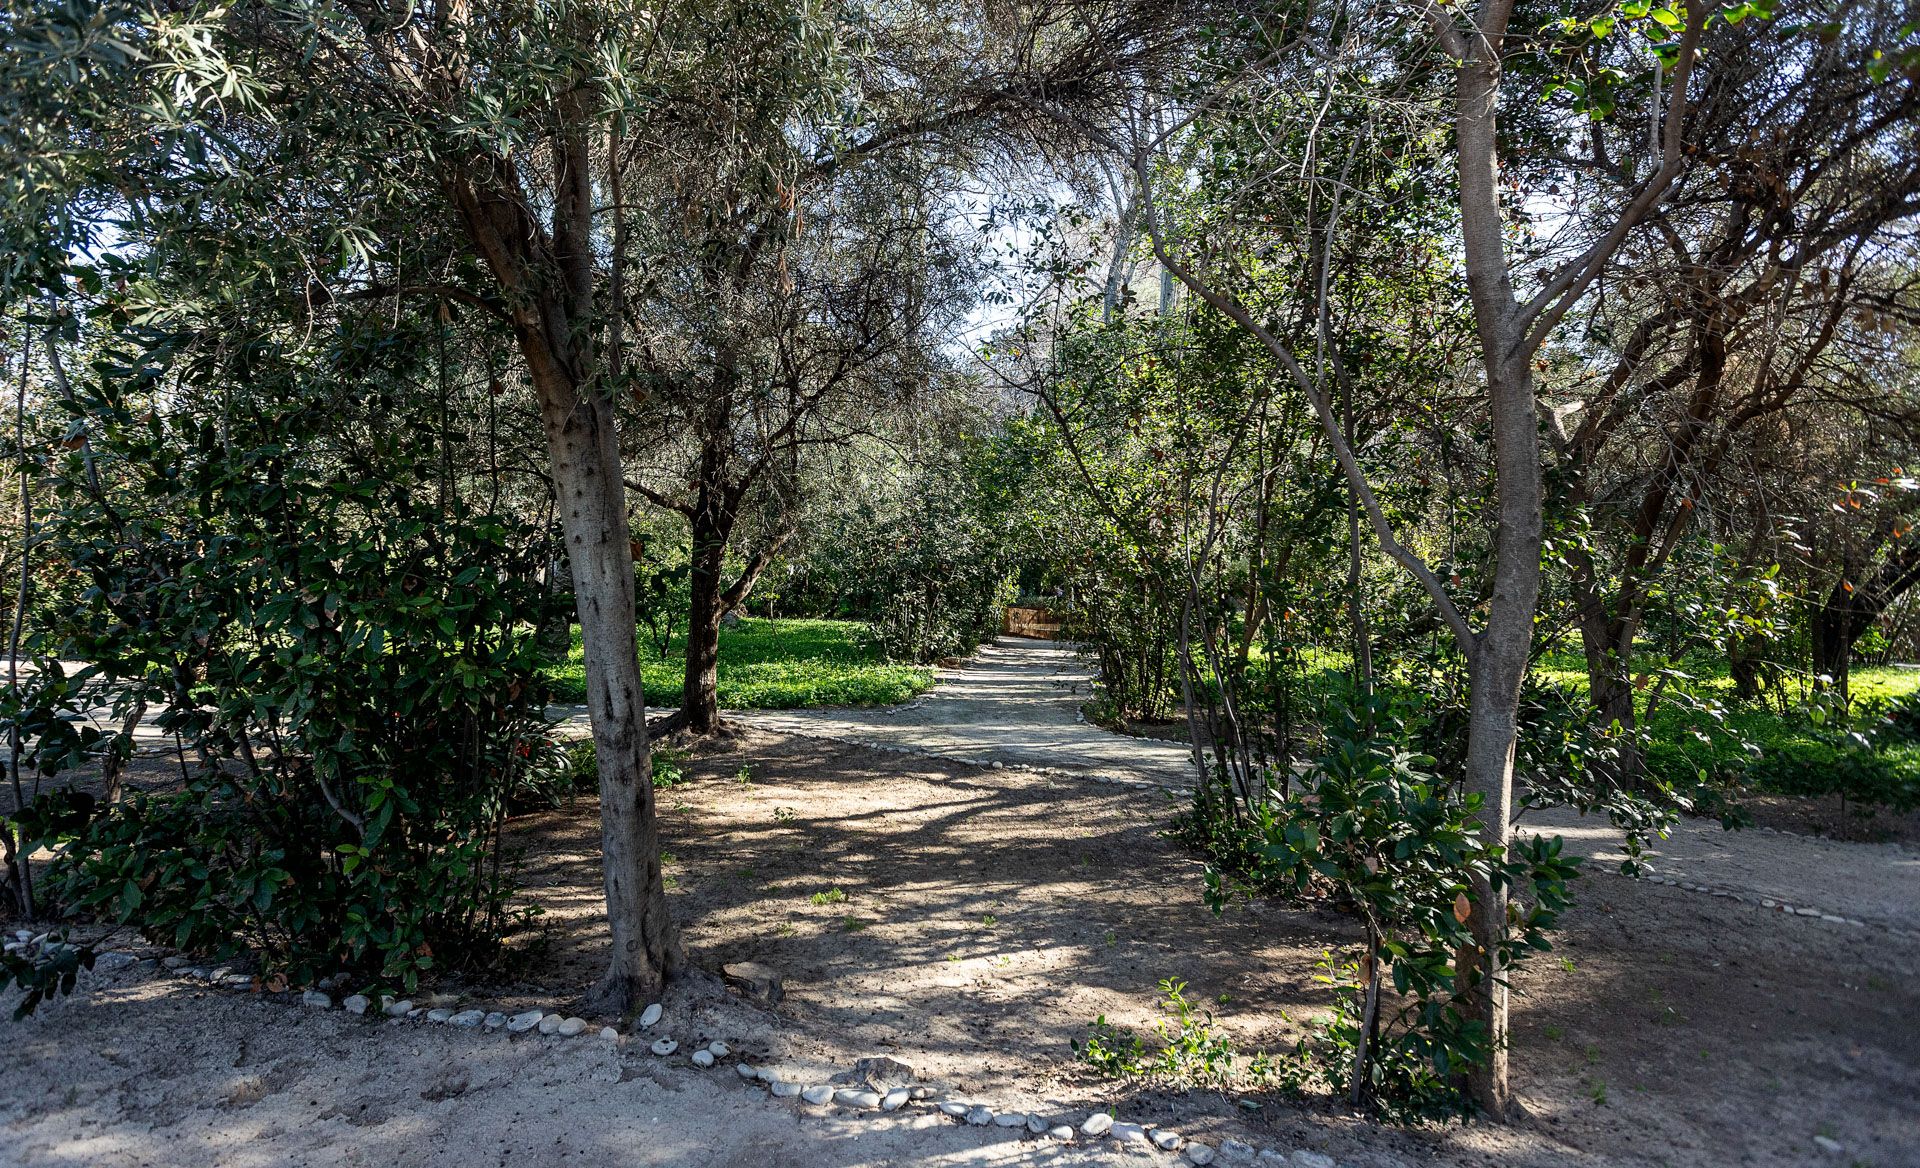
[1497, 667]
[700, 694]
[1610, 688]
[1832, 644]
[593, 517]
[1497, 660]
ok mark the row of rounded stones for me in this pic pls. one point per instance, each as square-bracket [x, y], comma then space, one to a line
[1764, 902]
[1099, 1125]
[538, 1021]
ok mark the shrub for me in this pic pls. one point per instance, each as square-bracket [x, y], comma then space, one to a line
[1374, 828]
[349, 666]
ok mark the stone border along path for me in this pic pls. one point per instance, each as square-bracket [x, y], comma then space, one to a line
[1766, 903]
[860, 1090]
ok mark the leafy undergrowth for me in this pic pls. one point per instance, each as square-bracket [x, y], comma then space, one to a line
[771, 665]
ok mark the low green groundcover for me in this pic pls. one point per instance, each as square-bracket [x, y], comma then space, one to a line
[771, 665]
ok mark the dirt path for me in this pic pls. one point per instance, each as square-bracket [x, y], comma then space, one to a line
[984, 918]
[972, 921]
[149, 1072]
[1874, 886]
[1016, 701]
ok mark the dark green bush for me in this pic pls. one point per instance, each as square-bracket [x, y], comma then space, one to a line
[349, 666]
[1372, 827]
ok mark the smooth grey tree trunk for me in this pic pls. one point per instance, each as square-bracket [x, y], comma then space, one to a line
[1497, 660]
[593, 518]
[549, 280]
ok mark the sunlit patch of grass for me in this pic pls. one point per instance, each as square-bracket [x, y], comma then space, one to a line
[771, 665]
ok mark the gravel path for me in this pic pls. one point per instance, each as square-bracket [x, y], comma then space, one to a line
[1015, 701]
[1877, 885]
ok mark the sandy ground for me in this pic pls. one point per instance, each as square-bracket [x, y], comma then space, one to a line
[986, 917]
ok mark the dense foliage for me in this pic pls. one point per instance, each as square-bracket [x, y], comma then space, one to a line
[344, 667]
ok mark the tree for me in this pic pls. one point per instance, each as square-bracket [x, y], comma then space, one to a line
[772, 335]
[467, 155]
[1740, 308]
[1511, 329]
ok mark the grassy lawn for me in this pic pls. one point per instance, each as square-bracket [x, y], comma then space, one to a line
[771, 665]
[1686, 741]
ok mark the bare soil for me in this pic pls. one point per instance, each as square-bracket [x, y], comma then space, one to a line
[990, 915]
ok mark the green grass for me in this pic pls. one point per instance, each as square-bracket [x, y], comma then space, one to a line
[1684, 741]
[771, 665]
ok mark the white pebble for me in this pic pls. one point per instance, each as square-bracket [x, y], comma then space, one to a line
[1063, 1133]
[609, 1034]
[494, 1020]
[857, 1097]
[316, 1000]
[895, 1099]
[1200, 1153]
[650, 1015]
[1010, 1119]
[399, 1009]
[357, 1004]
[1128, 1133]
[955, 1108]
[1036, 1125]
[980, 1116]
[550, 1023]
[570, 1027]
[439, 1014]
[818, 1096]
[1165, 1140]
[781, 1089]
[664, 1047]
[467, 1019]
[702, 1058]
[1097, 1124]
[747, 1070]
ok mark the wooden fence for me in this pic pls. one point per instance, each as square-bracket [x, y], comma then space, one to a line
[1032, 622]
